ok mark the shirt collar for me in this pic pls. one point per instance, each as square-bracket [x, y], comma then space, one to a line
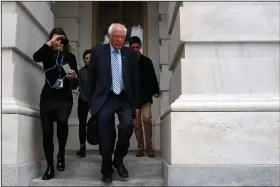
[113, 49]
[139, 55]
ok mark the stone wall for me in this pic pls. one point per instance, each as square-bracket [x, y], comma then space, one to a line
[222, 127]
[26, 26]
[153, 54]
[165, 74]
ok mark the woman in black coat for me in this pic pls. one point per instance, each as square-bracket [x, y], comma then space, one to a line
[56, 98]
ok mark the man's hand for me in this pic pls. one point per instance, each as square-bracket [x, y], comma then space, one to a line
[137, 111]
[156, 95]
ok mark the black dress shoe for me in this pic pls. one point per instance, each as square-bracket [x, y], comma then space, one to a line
[107, 178]
[49, 174]
[122, 171]
[60, 163]
[82, 152]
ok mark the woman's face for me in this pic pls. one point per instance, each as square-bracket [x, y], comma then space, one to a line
[87, 59]
[57, 46]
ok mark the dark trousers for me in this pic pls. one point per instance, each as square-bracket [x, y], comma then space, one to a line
[51, 111]
[82, 115]
[114, 104]
[114, 133]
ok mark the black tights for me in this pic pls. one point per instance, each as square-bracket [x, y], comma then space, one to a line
[51, 112]
[62, 134]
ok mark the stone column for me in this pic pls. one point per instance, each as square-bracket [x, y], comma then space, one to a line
[153, 54]
[26, 26]
[222, 125]
[165, 74]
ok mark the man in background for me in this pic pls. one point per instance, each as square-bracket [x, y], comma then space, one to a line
[83, 104]
[149, 88]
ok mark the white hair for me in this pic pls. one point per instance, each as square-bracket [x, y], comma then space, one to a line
[110, 30]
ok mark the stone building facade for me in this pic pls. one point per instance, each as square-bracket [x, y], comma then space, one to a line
[217, 120]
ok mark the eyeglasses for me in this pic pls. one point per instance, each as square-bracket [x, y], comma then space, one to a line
[118, 37]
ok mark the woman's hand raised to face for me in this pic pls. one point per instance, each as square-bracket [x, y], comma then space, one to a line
[55, 42]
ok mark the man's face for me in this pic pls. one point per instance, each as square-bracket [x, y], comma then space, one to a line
[87, 59]
[136, 47]
[117, 37]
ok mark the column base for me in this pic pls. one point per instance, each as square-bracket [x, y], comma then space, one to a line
[21, 143]
[222, 175]
[20, 174]
[224, 140]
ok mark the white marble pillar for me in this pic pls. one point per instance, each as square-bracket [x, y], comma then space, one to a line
[25, 27]
[153, 54]
[222, 126]
[165, 74]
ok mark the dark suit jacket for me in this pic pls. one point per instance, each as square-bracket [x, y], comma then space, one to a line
[100, 76]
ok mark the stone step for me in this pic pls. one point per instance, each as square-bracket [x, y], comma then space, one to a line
[90, 166]
[89, 181]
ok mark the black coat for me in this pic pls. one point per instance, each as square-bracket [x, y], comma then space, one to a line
[148, 80]
[48, 56]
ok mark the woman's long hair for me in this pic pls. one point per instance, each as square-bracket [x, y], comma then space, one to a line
[66, 45]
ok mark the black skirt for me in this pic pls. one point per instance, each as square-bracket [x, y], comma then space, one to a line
[55, 109]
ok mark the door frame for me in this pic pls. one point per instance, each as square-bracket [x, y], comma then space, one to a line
[145, 25]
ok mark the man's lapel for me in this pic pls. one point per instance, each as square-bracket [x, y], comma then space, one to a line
[124, 56]
[108, 58]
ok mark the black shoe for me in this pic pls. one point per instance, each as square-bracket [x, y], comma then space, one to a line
[122, 171]
[60, 163]
[82, 152]
[107, 178]
[49, 174]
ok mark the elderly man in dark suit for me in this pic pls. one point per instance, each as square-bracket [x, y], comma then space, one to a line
[113, 88]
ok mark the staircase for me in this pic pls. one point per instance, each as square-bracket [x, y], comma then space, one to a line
[143, 171]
